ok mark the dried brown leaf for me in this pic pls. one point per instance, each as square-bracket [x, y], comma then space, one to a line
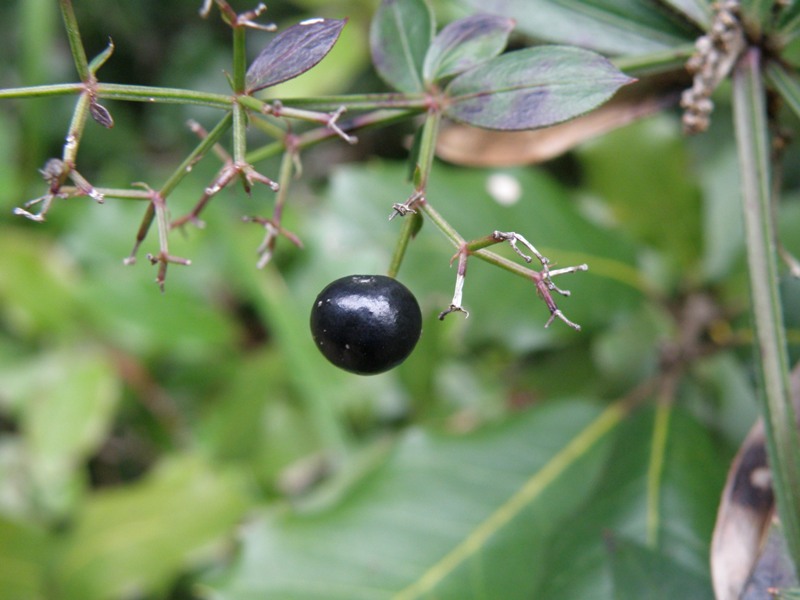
[746, 511]
[471, 146]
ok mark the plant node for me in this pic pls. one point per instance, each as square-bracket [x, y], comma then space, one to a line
[512, 238]
[545, 285]
[55, 172]
[245, 19]
[273, 230]
[331, 124]
[407, 206]
[162, 259]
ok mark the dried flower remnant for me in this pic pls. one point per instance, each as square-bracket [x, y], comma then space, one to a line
[715, 54]
[541, 279]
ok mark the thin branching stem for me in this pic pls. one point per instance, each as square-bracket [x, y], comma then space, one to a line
[200, 150]
[418, 102]
[75, 131]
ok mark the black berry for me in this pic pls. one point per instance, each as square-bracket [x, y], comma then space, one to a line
[366, 324]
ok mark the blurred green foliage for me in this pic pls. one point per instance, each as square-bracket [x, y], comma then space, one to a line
[195, 444]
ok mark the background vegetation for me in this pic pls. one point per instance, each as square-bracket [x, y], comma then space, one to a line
[196, 444]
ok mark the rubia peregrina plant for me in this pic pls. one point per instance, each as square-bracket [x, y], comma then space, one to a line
[459, 73]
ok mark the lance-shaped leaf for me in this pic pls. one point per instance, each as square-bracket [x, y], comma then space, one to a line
[464, 44]
[620, 27]
[293, 52]
[534, 87]
[401, 32]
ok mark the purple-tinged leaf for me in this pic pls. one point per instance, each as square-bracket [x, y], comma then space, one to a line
[293, 52]
[465, 44]
[534, 87]
[399, 37]
[617, 27]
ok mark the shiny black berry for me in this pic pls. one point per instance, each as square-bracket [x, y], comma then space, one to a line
[366, 324]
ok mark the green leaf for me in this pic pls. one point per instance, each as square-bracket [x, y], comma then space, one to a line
[730, 406]
[718, 173]
[34, 273]
[621, 168]
[464, 44]
[787, 84]
[757, 15]
[628, 351]
[445, 517]
[531, 88]
[139, 537]
[789, 20]
[68, 404]
[401, 32]
[698, 11]
[638, 570]
[660, 490]
[608, 26]
[24, 555]
[293, 52]
[263, 432]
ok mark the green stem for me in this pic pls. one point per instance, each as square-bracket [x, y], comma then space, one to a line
[75, 132]
[173, 181]
[200, 150]
[37, 91]
[239, 134]
[504, 263]
[427, 149]
[270, 125]
[285, 175]
[99, 60]
[320, 134]
[443, 226]
[417, 102]
[143, 93]
[779, 415]
[481, 243]
[239, 59]
[405, 105]
[485, 255]
[75, 42]
[410, 225]
[131, 93]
